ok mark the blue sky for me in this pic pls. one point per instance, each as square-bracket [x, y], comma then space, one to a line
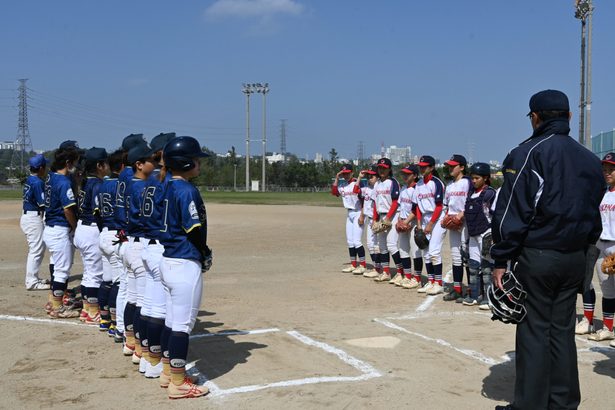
[437, 75]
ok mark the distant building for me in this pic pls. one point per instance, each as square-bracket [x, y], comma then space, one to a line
[398, 155]
[318, 158]
[7, 145]
[603, 143]
[275, 158]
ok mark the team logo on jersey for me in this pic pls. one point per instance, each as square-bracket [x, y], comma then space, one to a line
[70, 195]
[192, 210]
[511, 171]
[178, 363]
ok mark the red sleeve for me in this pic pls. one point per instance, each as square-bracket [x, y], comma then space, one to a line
[393, 209]
[334, 190]
[375, 212]
[357, 188]
[436, 213]
[417, 213]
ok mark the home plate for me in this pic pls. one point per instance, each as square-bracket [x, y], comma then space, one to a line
[382, 342]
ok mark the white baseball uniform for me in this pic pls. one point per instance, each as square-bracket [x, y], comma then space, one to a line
[427, 196]
[455, 197]
[386, 199]
[606, 244]
[350, 198]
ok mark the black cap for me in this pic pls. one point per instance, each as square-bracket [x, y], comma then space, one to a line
[609, 158]
[549, 100]
[427, 161]
[96, 154]
[69, 144]
[410, 169]
[160, 140]
[132, 141]
[139, 153]
[457, 159]
[346, 168]
[384, 163]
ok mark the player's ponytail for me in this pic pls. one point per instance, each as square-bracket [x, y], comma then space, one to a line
[163, 173]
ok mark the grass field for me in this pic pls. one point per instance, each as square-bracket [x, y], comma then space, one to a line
[251, 198]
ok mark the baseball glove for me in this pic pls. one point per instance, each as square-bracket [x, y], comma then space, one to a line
[381, 226]
[401, 226]
[421, 239]
[608, 265]
[452, 222]
[487, 244]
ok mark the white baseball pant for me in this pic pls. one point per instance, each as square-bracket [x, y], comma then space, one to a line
[59, 242]
[457, 240]
[112, 265]
[354, 231]
[155, 298]
[87, 241]
[407, 246]
[32, 225]
[183, 281]
[122, 292]
[387, 241]
[135, 272]
[607, 282]
[433, 254]
[370, 237]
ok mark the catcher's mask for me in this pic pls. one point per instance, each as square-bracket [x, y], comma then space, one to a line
[507, 305]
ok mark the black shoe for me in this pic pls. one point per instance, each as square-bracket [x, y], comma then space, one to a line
[507, 407]
[453, 295]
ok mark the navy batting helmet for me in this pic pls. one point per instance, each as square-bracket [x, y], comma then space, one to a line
[480, 168]
[180, 152]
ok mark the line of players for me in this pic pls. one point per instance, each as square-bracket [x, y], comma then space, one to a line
[141, 229]
[422, 203]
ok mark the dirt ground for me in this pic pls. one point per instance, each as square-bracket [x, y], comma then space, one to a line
[321, 338]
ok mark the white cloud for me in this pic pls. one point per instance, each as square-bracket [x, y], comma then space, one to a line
[253, 8]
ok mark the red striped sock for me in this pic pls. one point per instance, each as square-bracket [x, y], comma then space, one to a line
[607, 320]
[387, 270]
[363, 263]
[353, 263]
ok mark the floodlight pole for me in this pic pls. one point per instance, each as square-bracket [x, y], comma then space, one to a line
[588, 94]
[247, 90]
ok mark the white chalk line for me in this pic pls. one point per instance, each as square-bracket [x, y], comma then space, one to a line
[41, 320]
[423, 315]
[367, 371]
[466, 352]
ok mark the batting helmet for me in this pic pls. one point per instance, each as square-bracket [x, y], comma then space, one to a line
[480, 168]
[180, 152]
[507, 305]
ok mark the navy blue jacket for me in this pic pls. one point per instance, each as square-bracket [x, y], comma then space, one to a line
[551, 195]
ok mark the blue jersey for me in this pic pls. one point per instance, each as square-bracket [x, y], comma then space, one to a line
[134, 198]
[58, 196]
[105, 203]
[123, 182]
[33, 194]
[153, 207]
[86, 199]
[185, 211]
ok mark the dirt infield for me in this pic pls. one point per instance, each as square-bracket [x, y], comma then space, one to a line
[280, 327]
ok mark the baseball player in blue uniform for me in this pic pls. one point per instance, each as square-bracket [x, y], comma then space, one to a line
[140, 159]
[60, 223]
[87, 233]
[186, 256]
[153, 311]
[113, 269]
[31, 221]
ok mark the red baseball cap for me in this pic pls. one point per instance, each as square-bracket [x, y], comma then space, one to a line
[426, 161]
[346, 168]
[385, 163]
[457, 160]
[410, 169]
[609, 158]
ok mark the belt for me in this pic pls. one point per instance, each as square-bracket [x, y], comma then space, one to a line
[87, 223]
[38, 213]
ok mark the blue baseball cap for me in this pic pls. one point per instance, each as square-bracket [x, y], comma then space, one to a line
[139, 153]
[132, 141]
[95, 154]
[37, 161]
[160, 140]
[549, 100]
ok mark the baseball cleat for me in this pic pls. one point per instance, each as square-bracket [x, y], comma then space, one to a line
[371, 274]
[89, 320]
[136, 359]
[63, 313]
[583, 327]
[470, 301]
[484, 305]
[384, 277]
[104, 325]
[404, 281]
[40, 285]
[165, 380]
[127, 350]
[436, 289]
[153, 372]
[602, 335]
[396, 279]
[186, 390]
[411, 284]
[83, 315]
[359, 270]
[425, 288]
[453, 295]
[348, 269]
[142, 365]
[118, 337]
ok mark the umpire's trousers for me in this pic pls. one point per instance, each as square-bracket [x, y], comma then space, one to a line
[546, 355]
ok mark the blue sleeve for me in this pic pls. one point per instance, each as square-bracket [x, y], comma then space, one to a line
[38, 193]
[95, 192]
[189, 202]
[394, 189]
[67, 197]
[439, 194]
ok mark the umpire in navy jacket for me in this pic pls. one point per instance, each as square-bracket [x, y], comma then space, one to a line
[547, 213]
